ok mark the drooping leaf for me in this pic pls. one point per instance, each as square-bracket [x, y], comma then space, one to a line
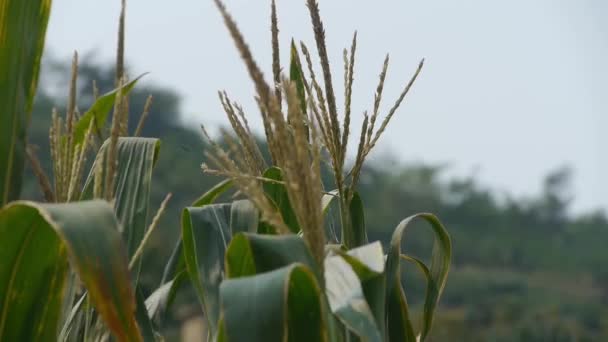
[250, 254]
[277, 193]
[369, 265]
[399, 324]
[175, 271]
[99, 111]
[281, 305]
[37, 239]
[347, 300]
[22, 33]
[206, 231]
[136, 159]
[176, 263]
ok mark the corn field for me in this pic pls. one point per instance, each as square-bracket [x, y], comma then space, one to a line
[269, 265]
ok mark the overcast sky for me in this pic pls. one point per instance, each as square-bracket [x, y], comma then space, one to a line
[510, 89]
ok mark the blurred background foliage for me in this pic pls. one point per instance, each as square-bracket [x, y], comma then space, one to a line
[523, 269]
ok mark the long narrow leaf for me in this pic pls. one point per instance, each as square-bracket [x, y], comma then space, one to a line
[347, 301]
[22, 32]
[212, 194]
[37, 238]
[438, 273]
[99, 111]
[175, 273]
[369, 265]
[143, 319]
[136, 159]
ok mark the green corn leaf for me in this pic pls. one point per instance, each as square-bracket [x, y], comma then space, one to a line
[99, 111]
[212, 194]
[347, 300]
[250, 254]
[328, 199]
[281, 305]
[175, 271]
[22, 32]
[136, 159]
[357, 215]
[157, 301]
[144, 322]
[399, 324]
[37, 239]
[369, 265]
[176, 263]
[357, 221]
[278, 195]
[206, 231]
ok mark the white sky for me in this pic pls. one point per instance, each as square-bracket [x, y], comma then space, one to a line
[511, 89]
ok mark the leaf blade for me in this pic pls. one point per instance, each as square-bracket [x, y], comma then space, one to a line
[277, 193]
[440, 266]
[347, 300]
[136, 160]
[290, 297]
[88, 233]
[22, 34]
[99, 111]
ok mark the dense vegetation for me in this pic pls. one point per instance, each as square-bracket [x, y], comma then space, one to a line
[522, 269]
[287, 257]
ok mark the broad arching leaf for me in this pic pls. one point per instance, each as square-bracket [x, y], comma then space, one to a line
[206, 231]
[22, 32]
[399, 324]
[281, 305]
[347, 300]
[175, 274]
[250, 254]
[136, 159]
[37, 240]
[369, 265]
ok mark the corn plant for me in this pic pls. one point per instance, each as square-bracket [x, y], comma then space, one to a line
[69, 266]
[269, 267]
[266, 267]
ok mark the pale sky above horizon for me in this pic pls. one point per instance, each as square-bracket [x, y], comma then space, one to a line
[510, 89]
